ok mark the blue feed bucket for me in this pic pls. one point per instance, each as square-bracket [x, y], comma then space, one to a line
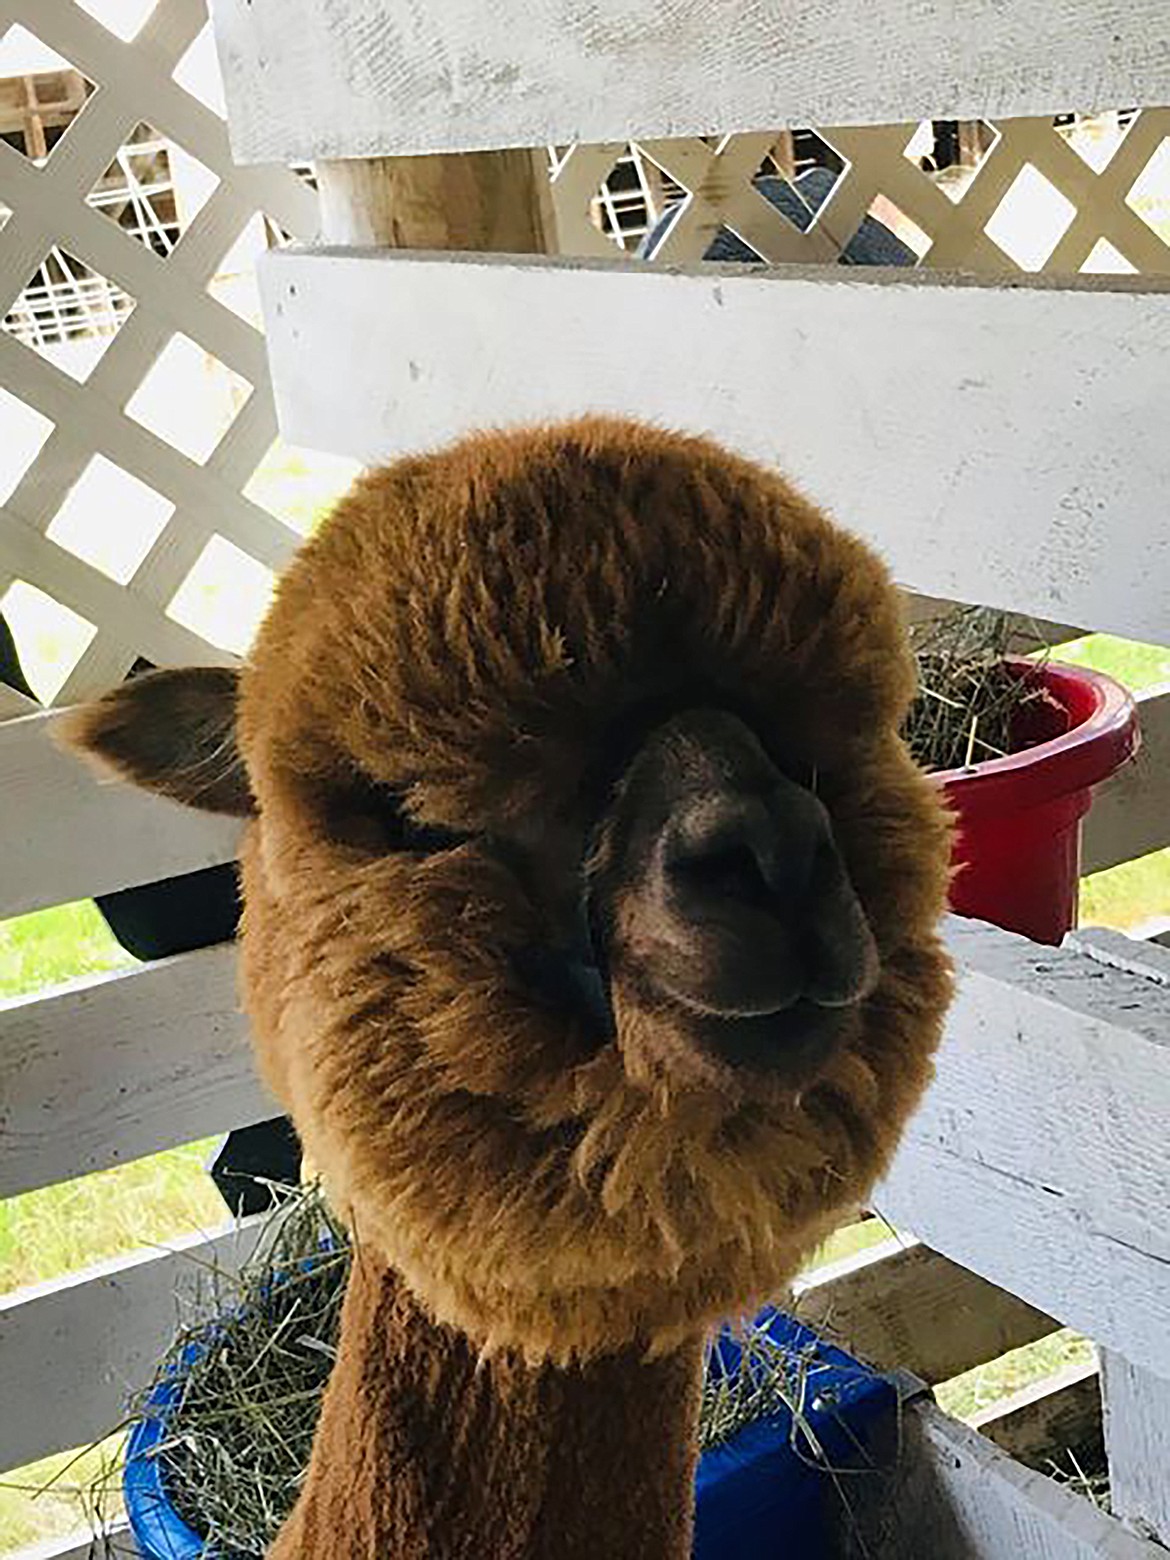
[768, 1492]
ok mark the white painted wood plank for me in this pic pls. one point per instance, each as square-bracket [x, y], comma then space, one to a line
[14, 705]
[1137, 1443]
[117, 1544]
[74, 1352]
[901, 1306]
[1039, 1156]
[307, 80]
[1131, 813]
[958, 1497]
[1039, 430]
[114, 1068]
[68, 835]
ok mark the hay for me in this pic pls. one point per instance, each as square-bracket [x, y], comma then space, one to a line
[970, 695]
[242, 1427]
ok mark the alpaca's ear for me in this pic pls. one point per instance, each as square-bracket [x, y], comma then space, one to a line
[173, 732]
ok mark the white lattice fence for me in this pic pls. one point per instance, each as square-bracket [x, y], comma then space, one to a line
[111, 428]
[1087, 196]
[181, 467]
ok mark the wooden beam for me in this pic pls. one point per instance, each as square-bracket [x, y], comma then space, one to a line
[75, 1350]
[68, 835]
[375, 354]
[901, 1306]
[113, 1068]
[305, 80]
[1137, 1444]
[1039, 1156]
[487, 201]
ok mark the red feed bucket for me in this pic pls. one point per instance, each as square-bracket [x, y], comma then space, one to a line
[1019, 818]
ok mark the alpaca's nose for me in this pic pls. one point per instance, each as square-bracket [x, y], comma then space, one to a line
[758, 893]
[758, 851]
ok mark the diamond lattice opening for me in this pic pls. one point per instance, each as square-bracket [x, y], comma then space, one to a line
[51, 638]
[68, 313]
[110, 519]
[1106, 260]
[632, 199]
[1031, 219]
[189, 398]
[299, 487]
[882, 209]
[234, 282]
[23, 431]
[1095, 137]
[950, 152]
[198, 73]
[224, 596]
[41, 94]
[153, 189]
[796, 151]
[1149, 196]
[124, 18]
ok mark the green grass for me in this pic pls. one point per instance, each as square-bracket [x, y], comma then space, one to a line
[69, 1492]
[977, 1389]
[50, 947]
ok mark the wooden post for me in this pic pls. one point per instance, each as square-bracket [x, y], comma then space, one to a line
[487, 201]
[1137, 1444]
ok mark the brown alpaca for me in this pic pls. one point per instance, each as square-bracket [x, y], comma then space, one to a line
[584, 693]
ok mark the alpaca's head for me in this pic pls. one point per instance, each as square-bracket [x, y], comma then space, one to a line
[591, 896]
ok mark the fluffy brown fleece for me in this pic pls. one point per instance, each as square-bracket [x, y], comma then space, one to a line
[425, 1453]
[472, 630]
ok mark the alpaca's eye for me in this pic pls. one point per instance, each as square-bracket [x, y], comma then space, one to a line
[368, 816]
[374, 818]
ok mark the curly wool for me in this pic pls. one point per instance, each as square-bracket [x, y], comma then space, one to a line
[478, 632]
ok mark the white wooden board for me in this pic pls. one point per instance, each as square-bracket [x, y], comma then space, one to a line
[1024, 466]
[1039, 1156]
[121, 1066]
[1137, 1443]
[958, 1497]
[117, 1544]
[68, 835]
[74, 1351]
[310, 80]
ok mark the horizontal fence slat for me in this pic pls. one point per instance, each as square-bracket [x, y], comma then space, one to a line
[905, 1307]
[957, 1496]
[1131, 813]
[67, 836]
[117, 1544]
[1039, 1157]
[121, 1066]
[305, 80]
[1052, 457]
[75, 1351]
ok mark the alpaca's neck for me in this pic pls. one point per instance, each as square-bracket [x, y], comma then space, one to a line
[420, 1456]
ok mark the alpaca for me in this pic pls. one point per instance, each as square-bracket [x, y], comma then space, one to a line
[590, 939]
